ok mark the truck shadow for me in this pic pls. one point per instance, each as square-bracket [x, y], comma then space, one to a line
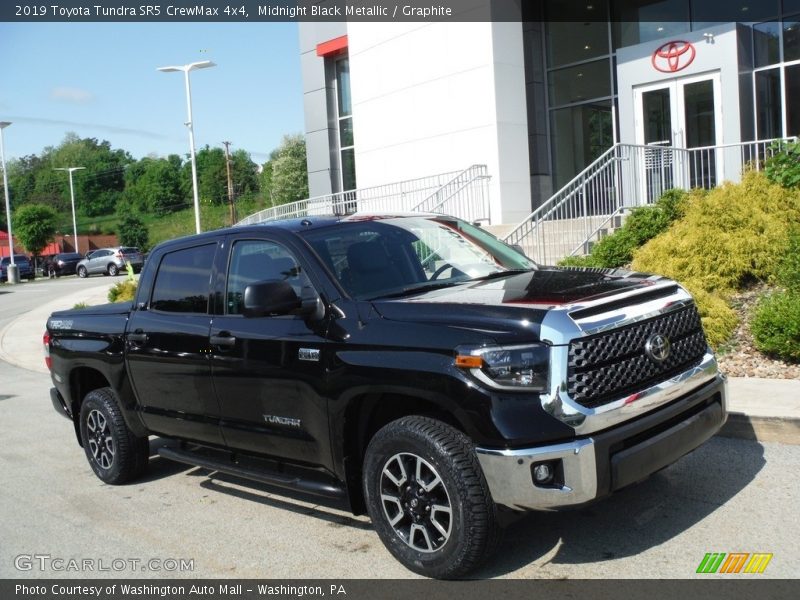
[636, 518]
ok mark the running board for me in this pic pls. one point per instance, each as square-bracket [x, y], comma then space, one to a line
[282, 480]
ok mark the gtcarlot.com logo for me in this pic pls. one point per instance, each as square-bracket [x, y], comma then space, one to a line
[48, 562]
[734, 562]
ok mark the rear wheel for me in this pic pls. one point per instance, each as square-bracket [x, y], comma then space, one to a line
[114, 452]
[113, 270]
[82, 272]
[428, 499]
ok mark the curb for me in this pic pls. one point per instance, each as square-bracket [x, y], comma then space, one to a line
[784, 430]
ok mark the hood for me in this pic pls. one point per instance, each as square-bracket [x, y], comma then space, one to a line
[517, 302]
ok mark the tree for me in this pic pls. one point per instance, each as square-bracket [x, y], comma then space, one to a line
[154, 185]
[286, 172]
[35, 226]
[133, 232]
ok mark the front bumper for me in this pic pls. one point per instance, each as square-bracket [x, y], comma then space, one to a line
[591, 467]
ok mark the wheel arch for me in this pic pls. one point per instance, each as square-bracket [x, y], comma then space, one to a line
[366, 414]
[83, 380]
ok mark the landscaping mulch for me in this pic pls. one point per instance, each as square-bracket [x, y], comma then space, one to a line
[739, 356]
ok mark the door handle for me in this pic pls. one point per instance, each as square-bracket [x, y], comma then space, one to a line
[223, 339]
[137, 337]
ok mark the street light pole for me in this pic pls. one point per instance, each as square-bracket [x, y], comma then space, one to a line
[190, 125]
[72, 198]
[12, 275]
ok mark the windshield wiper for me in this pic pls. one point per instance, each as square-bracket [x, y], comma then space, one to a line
[420, 287]
[498, 274]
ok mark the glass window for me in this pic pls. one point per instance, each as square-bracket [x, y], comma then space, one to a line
[791, 6]
[346, 132]
[768, 104]
[791, 38]
[635, 22]
[259, 260]
[579, 135]
[766, 43]
[577, 30]
[182, 281]
[580, 83]
[700, 118]
[793, 100]
[343, 86]
[657, 113]
[708, 12]
[348, 169]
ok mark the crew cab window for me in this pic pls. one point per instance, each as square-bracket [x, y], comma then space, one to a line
[260, 260]
[182, 281]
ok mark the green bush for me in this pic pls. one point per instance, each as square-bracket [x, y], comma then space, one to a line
[727, 237]
[776, 325]
[783, 167]
[124, 291]
[643, 224]
[719, 319]
[789, 267]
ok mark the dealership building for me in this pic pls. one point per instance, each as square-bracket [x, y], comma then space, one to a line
[539, 99]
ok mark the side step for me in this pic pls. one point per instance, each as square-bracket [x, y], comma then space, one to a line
[317, 487]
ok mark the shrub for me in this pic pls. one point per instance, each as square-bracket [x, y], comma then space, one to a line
[727, 237]
[124, 291]
[719, 319]
[578, 261]
[789, 267]
[80, 305]
[783, 167]
[776, 325]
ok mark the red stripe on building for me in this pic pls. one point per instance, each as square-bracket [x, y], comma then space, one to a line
[332, 46]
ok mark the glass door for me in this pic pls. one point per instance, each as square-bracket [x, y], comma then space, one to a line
[681, 119]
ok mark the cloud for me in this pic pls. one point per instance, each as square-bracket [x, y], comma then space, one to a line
[107, 128]
[68, 94]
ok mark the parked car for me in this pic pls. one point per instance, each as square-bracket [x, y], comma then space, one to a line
[413, 366]
[23, 264]
[110, 261]
[66, 263]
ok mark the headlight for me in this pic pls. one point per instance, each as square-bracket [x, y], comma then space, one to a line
[522, 368]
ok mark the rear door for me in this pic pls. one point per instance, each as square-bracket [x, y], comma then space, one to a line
[167, 346]
[269, 372]
[99, 261]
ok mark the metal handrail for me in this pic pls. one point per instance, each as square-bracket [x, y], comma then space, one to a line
[625, 176]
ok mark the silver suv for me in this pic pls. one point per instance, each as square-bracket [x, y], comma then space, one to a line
[110, 261]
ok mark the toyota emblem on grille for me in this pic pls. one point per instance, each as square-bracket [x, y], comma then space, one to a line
[657, 348]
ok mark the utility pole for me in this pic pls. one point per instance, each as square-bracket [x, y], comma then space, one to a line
[230, 181]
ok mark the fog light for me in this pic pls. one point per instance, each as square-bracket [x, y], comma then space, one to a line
[543, 473]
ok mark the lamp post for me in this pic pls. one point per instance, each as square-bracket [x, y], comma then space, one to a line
[186, 68]
[12, 274]
[70, 170]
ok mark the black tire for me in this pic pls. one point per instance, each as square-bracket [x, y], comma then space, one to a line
[113, 270]
[443, 527]
[115, 454]
[82, 273]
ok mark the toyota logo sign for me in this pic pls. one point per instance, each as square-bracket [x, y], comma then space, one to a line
[673, 56]
[657, 348]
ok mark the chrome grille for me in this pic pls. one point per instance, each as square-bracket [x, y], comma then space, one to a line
[608, 365]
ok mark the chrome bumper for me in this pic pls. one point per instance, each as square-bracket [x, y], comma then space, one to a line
[588, 470]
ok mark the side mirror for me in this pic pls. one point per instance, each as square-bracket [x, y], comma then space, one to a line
[273, 297]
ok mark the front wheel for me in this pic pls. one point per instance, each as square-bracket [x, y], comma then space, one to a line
[427, 498]
[114, 452]
[82, 273]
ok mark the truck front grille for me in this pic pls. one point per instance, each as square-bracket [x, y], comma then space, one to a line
[612, 364]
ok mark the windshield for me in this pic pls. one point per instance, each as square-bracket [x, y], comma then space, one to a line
[374, 257]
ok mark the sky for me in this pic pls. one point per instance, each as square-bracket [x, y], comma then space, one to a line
[99, 80]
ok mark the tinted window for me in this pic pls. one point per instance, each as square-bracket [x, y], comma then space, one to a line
[259, 260]
[127, 250]
[183, 279]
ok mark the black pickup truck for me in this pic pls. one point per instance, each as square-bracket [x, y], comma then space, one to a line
[412, 366]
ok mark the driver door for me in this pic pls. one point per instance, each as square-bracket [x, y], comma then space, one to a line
[269, 372]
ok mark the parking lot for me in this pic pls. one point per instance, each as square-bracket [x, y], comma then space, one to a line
[731, 495]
